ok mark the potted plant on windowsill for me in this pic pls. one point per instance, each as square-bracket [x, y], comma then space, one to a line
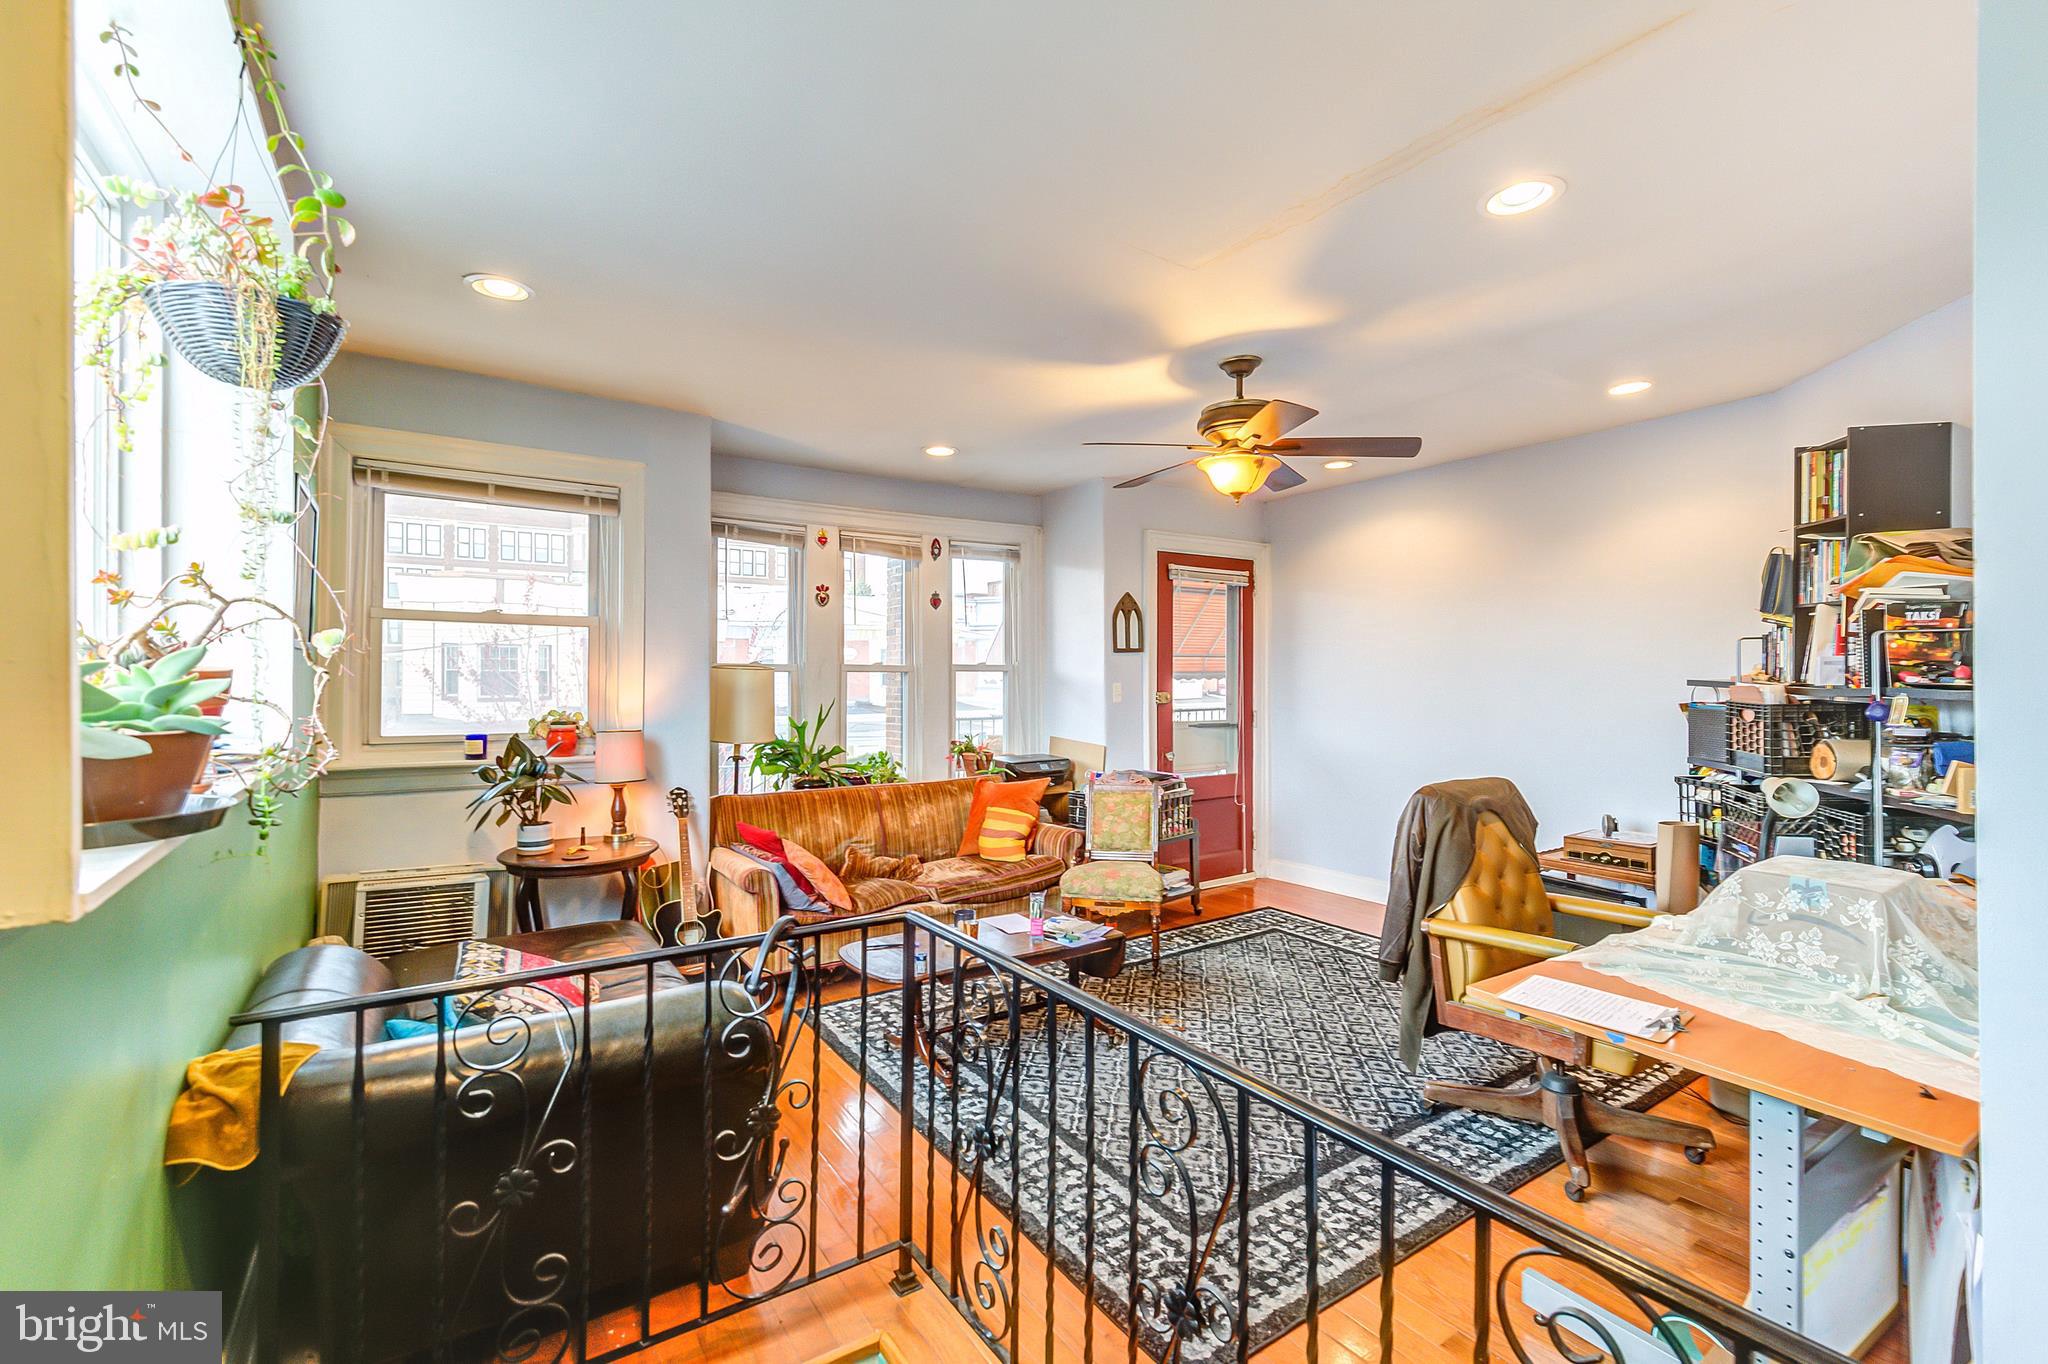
[521, 785]
[973, 754]
[878, 769]
[801, 760]
[142, 737]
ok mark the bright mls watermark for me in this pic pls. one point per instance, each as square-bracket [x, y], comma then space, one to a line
[166, 1328]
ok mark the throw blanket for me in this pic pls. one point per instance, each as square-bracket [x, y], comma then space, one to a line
[1432, 853]
[213, 1123]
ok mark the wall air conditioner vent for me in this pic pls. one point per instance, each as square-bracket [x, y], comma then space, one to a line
[388, 912]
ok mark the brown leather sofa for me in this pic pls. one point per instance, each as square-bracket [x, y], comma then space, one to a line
[465, 1200]
[923, 818]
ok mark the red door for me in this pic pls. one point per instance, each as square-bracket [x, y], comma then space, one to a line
[1202, 698]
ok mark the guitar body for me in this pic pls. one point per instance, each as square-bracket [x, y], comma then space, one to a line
[687, 918]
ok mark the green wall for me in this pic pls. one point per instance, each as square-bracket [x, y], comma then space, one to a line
[97, 1021]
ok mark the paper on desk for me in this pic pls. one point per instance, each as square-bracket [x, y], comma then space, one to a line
[1008, 923]
[1583, 1004]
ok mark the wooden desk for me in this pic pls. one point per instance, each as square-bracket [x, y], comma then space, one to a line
[1805, 1171]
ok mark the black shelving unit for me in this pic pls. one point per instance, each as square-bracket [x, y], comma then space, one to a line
[1890, 478]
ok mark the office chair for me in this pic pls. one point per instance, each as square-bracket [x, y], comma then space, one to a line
[1502, 918]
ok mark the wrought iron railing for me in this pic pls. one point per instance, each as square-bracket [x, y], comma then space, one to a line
[485, 1217]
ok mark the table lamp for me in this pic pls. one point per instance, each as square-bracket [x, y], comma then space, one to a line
[621, 758]
[742, 708]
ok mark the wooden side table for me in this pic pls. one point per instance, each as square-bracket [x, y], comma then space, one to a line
[604, 859]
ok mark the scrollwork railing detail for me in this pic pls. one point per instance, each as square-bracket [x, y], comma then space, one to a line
[1187, 1306]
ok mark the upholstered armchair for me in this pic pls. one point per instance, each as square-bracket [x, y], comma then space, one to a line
[1123, 840]
[1502, 918]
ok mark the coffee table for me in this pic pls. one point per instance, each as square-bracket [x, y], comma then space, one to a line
[1101, 957]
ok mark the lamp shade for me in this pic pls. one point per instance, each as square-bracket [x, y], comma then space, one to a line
[621, 756]
[742, 703]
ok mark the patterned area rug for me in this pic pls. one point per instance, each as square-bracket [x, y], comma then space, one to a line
[1295, 1002]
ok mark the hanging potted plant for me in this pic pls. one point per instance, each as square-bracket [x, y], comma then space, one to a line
[248, 302]
[521, 785]
[143, 739]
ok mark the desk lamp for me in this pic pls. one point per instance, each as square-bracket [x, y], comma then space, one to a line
[621, 758]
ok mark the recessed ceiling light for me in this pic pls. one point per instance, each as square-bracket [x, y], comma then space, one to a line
[1337, 464]
[499, 287]
[1627, 387]
[940, 451]
[1524, 196]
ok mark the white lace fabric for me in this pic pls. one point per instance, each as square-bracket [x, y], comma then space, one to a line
[1867, 962]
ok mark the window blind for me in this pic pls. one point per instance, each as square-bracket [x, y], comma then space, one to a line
[781, 537]
[965, 549]
[596, 499]
[1226, 577]
[885, 546]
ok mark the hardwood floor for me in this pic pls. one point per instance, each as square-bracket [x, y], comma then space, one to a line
[1647, 1201]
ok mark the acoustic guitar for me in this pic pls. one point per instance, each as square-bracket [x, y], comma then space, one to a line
[683, 916]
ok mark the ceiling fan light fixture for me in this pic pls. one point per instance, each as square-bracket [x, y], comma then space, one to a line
[1234, 475]
[1523, 196]
[500, 287]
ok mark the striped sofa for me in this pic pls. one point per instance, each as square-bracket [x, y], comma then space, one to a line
[926, 819]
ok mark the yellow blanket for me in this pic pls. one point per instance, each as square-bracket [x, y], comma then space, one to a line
[213, 1123]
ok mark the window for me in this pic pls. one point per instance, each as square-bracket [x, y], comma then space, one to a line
[983, 593]
[470, 643]
[875, 640]
[757, 611]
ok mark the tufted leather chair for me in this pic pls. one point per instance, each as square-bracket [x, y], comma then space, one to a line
[1503, 918]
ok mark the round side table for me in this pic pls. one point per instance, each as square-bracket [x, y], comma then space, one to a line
[530, 869]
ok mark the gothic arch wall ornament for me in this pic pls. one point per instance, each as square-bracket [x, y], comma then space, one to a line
[937, 548]
[1127, 627]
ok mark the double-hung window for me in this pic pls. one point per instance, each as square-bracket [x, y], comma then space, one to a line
[877, 644]
[509, 625]
[759, 607]
[983, 651]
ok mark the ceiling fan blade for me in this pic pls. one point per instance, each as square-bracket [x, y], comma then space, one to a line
[1353, 447]
[1147, 478]
[1150, 444]
[1283, 478]
[1271, 422]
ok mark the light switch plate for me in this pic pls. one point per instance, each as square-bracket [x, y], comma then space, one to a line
[1116, 691]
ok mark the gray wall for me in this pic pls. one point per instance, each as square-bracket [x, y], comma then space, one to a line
[2012, 490]
[837, 488]
[1534, 614]
[360, 832]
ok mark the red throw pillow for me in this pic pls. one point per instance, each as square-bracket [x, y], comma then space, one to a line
[1011, 795]
[769, 844]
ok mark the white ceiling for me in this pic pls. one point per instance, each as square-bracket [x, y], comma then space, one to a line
[846, 232]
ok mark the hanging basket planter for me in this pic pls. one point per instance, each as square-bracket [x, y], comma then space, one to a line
[198, 318]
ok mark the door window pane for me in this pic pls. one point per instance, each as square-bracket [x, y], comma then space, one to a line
[877, 716]
[458, 677]
[471, 585]
[1207, 659]
[877, 611]
[979, 702]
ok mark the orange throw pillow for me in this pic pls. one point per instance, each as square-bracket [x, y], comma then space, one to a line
[1011, 795]
[824, 884]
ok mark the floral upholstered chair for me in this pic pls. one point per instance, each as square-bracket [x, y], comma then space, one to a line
[1123, 839]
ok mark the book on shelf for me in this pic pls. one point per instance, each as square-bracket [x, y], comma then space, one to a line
[1822, 484]
[1821, 564]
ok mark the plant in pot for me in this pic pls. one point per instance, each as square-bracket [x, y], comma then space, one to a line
[973, 753]
[801, 759]
[248, 300]
[879, 768]
[142, 737]
[521, 784]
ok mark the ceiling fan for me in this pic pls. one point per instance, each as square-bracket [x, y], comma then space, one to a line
[1244, 445]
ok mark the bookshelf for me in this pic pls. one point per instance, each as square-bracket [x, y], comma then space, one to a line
[1874, 478]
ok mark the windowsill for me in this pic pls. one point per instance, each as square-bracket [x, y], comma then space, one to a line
[372, 772]
[105, 872]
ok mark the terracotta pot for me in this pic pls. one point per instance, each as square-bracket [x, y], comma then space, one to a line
[219, 703]
[145, 787]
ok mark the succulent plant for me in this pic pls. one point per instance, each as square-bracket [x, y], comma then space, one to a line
[116, 703]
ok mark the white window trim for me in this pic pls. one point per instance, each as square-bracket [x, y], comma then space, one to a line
[820, 668]
[364, 767]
